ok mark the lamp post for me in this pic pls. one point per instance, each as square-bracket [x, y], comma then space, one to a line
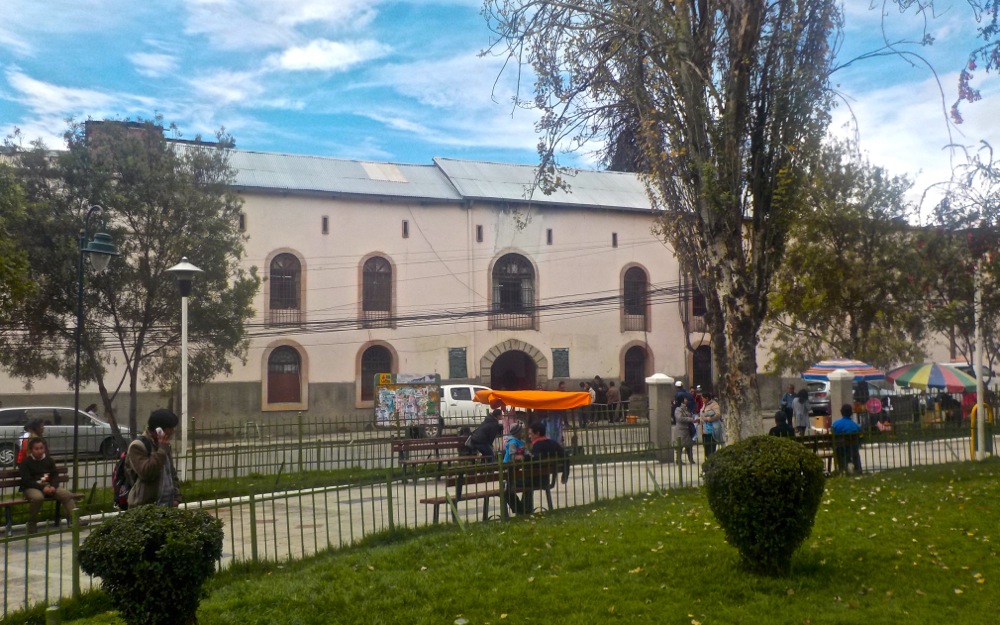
[185, 273]
[101, 248]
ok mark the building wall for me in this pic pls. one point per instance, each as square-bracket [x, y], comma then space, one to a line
[441, 267]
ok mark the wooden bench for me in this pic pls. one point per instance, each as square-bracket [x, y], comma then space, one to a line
[825, 446]
[10, 481]
[439, 450]
[523, 477]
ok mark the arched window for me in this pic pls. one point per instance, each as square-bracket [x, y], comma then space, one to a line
[284, 371]
[635, 369]
[513, 293]
[376, 293]
[375, 360]
[635, 298]
[285, 282]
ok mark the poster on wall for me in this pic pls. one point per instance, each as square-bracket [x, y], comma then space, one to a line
[404, 400]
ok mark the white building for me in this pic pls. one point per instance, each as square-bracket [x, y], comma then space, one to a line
[455, 268]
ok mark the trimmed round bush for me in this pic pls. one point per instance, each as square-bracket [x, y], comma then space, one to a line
[153, 562]
[765, 492]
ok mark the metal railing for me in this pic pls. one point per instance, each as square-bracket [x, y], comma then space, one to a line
[608, 460]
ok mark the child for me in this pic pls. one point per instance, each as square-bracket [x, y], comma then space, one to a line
[513, 445]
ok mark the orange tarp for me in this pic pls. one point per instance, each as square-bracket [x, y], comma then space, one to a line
[535, 400]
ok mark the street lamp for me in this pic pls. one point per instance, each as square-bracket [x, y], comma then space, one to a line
[101, 248]
[185, 273]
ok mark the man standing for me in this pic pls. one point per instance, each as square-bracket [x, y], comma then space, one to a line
[846, 440]
[786, 402]
[614, 403]
[150, 463]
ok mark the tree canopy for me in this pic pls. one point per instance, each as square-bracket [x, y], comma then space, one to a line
[850, 285]
[162, 200]
[728, 101]
[15, 284]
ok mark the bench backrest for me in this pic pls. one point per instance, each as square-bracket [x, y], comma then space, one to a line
[520, 472]
[11, 478]
[429, 444]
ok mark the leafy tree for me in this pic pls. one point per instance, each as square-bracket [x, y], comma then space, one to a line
[731, 100]
[965, 242]
[849, 285]
[15, 284]
[162, 200]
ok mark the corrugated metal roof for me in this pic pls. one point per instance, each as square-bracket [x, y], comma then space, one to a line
[291, 173]
[447, 179]
[513, 183]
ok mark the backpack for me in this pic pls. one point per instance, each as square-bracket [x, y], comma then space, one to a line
[121, 480]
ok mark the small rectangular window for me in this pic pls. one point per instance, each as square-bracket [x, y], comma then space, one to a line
[457, 367]
[614, 239]
[548, 236]
[406, 229]
[326, 225]
[479, 234]
[243, 222]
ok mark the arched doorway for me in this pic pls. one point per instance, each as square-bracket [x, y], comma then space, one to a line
[513, 370]
[635, 369]
[701, 367]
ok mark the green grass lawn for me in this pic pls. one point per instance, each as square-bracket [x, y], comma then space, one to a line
[909, 546]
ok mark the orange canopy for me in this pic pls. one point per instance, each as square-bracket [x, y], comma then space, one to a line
[536, 400]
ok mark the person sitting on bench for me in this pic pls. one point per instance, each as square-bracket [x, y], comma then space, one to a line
[40, 480]
[542, 448]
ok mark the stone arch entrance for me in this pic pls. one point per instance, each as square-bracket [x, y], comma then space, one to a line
[513, 365]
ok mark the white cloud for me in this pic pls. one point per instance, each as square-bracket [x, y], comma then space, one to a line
[222, 88]
[42, 97]
[904, 128]
[13, 42]
[326, 55]
[153, 65]
[264, 24]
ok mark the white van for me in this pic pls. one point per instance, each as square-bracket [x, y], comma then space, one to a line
[459, 408]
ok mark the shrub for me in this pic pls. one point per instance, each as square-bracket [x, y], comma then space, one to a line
[153, 562]
[765, 492]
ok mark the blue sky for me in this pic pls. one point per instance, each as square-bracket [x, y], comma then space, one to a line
[395, 81]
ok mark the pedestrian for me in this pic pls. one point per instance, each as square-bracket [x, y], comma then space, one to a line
[35, 428]
[91, 410]
[847, 444]
[600, 397]
[800, 412]
[614, 407]
[150, 463]
[781, 427]
[40, 481]
[683, 420]
[481, 439]
[786, 402]
[712, 430]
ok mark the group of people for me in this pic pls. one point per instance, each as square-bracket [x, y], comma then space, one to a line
[696, 416]
[795, 407]
[148, 460]
[539, 447]
[607, 402]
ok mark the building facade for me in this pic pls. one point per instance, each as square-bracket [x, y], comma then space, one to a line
[456, 268]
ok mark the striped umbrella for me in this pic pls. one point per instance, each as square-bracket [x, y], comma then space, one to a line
[861, 370]
[930, 375]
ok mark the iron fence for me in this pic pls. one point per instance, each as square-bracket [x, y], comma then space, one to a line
[361, 490]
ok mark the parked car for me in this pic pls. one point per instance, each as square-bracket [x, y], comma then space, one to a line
[819, 397]
[93, 435]
[459, 408]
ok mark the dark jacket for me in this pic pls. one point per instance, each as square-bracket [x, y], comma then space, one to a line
[782, 430]
[546, 449]
[32, 471]
[488, 430]
[146, 469]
